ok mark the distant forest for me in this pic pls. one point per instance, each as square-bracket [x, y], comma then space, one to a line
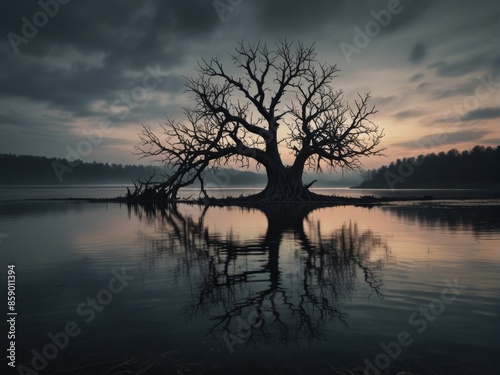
[39, 170]
[476, 168]
[28, 170]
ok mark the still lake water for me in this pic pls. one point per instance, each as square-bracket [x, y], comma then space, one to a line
[230, 291]
[112, 191]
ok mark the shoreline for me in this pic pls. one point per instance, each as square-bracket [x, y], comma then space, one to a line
[369, 201]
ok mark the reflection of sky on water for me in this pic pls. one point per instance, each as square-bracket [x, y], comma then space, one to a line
[346, 278]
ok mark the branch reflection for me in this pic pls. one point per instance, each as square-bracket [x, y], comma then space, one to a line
[285, 285]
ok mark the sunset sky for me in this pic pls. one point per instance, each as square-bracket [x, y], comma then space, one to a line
[432, 67]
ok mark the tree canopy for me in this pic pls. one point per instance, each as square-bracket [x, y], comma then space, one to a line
[267, 103]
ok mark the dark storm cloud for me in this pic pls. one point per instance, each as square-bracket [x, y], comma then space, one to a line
[410, 12]
[422, 85]
[482, 114]
[293, 16]
[125, 28]
[467, 64]
[108, 39]
[477, 87]
[416, 77]
[491, 142]
[411, 113]
[23, 122]
[418, 53]
[69, 89]
[460, 90]
[384, 100]
[92, 52]
[444, 139]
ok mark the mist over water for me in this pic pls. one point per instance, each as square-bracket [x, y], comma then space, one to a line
[23, 192]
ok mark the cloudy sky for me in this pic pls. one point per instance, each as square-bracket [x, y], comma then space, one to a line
[68, 68]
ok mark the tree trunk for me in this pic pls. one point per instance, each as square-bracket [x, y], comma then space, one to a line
[284, 184]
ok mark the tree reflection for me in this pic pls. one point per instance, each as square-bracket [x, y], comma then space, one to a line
[474, 217]
[286, 285]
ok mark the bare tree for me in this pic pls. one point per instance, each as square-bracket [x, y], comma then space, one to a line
[282, 101]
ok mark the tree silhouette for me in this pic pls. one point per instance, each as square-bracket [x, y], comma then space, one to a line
[241, 286]
[281, 101]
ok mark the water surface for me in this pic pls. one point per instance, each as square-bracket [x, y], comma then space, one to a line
[277, 291]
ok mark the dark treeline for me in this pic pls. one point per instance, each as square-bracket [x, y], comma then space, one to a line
[39, 170]
[28, 170]
[476, 168]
